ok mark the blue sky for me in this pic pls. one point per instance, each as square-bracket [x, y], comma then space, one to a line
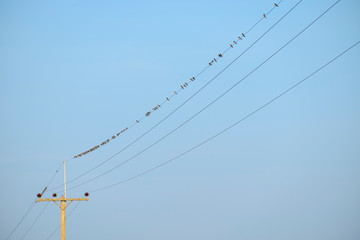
[73, 74]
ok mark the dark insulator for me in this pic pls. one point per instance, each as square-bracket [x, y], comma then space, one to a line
[54, 195]
[86, 194]
[39, 195]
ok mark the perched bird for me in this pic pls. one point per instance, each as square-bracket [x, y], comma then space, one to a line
[175, 92]
[220, 55]
[276, 5]
[264, 15]
[239, 38]
[168, 99]
[215, 60]
[231, 45]
[243, 35]
[234, 42]
[182, 86]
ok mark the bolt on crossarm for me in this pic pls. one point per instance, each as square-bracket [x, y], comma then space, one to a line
[63, 204]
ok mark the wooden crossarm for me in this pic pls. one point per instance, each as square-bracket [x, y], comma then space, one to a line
[61, 199]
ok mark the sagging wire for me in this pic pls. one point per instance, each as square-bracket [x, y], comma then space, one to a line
[142, 151]
[182, 87]
[231, 126]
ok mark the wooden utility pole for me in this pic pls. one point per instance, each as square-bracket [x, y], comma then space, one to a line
[63, 204]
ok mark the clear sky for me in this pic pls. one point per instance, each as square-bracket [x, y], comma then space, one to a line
[74, 73]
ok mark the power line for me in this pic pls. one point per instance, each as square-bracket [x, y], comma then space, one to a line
[231, 126]
[175, 109]
[189, 119]
[36, 219]
[182, 87]
[162, 120]
[33, 204]
[23, 217]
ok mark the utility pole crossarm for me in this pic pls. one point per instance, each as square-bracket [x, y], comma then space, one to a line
[61, 199]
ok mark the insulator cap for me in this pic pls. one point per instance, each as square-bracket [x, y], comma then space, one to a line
[39, 195]
[54, 195]
[86, 194]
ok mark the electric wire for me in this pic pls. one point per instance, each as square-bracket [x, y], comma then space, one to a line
[23, 217]
[182, 87]
[33, 204]
[231, 126]
[36, 219]
[130, 144]
[171, 112]
[228, 90]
